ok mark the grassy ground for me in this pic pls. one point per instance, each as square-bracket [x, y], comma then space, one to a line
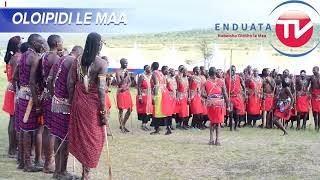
[248, 154]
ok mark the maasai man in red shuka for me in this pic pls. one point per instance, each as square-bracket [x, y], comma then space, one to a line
[234, 85]
[216, 96]
[11, 59]
[183, 97]
[124, 99]
[160, 99]
[267, 103]
[86, 133]
[144, 98]
[315, 97]
[302, 104]
[61, 110]
[254, 96]
[204, 116]
[196, 105]
[29, 105]
[48, 60]
[284, 104]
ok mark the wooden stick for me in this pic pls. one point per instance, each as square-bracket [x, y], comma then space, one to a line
[108, 154]
[28, 111]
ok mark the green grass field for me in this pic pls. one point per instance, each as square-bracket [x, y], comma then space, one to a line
[247, 154]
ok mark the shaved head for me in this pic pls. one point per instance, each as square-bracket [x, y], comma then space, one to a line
[77, 50]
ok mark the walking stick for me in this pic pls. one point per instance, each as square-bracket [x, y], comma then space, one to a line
[64, 139]
[108, 154]
[229, 91]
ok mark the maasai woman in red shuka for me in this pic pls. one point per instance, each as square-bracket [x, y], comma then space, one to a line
[215, 92]
[11, 59]
[88, 112]
[196, 105]
[172, 88]
[254, 97]
[160, 97]
[144, 98]
[233, 85]
[183, 97]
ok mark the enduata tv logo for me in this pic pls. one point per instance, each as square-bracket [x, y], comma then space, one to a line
[294, 28]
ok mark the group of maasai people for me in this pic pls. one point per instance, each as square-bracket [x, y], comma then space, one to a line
[224, 98]
[57, 103]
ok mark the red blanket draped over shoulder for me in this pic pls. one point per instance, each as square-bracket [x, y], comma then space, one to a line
[86, 136]
[234, 88]
[253, 106]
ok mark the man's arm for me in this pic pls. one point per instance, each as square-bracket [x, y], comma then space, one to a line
[15, 77]
[34, 62]
[225, 95]
[51, 81]
[102, 74]
[71, 82]
[288, 91]
[155, 84]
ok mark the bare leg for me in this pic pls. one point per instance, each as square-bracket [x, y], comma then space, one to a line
[211, 141]
[121, 120]
[279, 125]
[305, 115]
[236, 121]
[57, 158]
[231, 121]
[126, 118]
[85, 173]
[315, 117]
[217, 126]
[38, 144]
[12, 138]
[298, 117]
[318, 122]
[49, 156]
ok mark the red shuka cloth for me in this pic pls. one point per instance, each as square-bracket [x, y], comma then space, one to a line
[302, 104]
[215, 106]
[196, 106]
[267, 103]
[183, 98]
[124, 100]
[146, 107]
[172, 88]
[253, 106]
[235, 93]
[8, 104]
[315, 100]
[86, 136]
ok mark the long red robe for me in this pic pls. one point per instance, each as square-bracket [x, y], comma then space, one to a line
[215, 101]
[182, 97]
[86, 136]
[234, 88]
[253, 106]
[146, 107]
[196, 106]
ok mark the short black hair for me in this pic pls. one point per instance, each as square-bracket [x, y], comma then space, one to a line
[164, 67]
[145, 67]
[53, 40]
[24, 47]
[194, 69]
[155, 66]
[212, 71]
[303, 71]
[32, 38]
